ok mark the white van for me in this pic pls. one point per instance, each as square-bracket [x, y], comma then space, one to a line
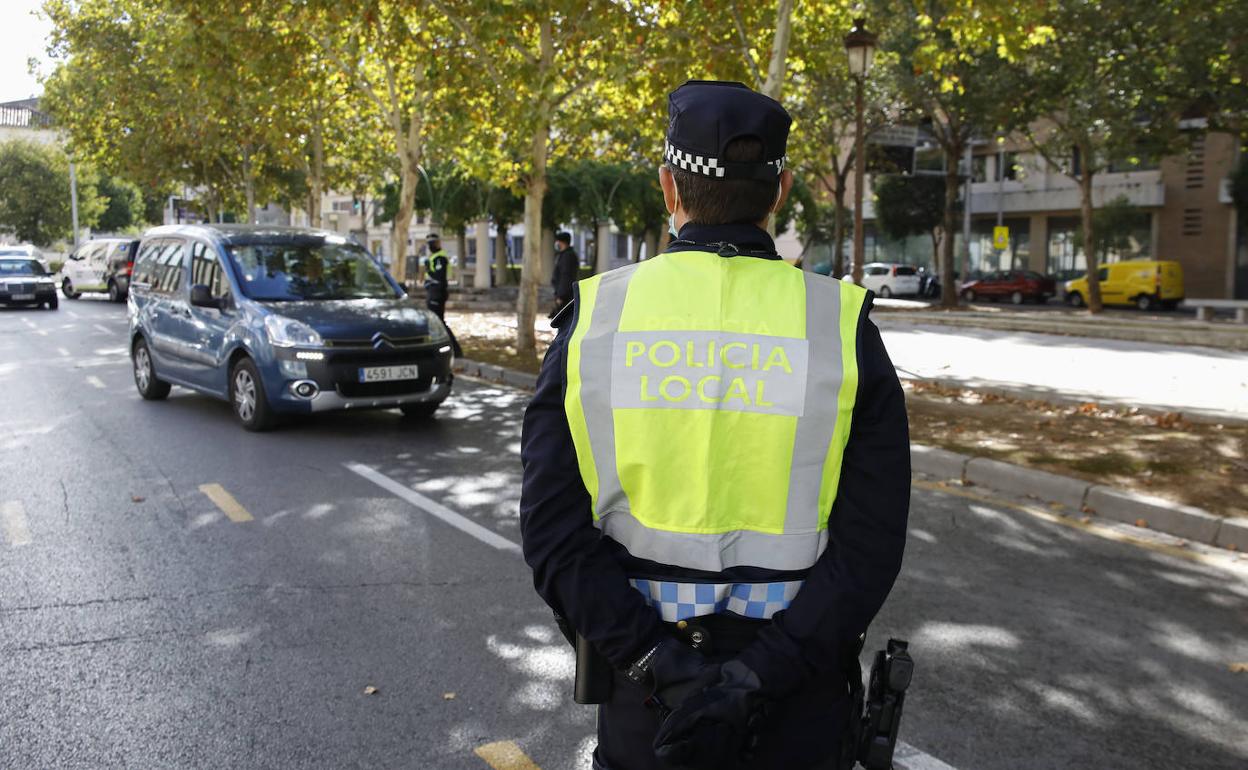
[100, 265]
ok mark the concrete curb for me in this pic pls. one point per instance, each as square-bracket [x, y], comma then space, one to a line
[1155, 513]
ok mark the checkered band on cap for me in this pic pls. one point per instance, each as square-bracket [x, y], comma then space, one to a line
[705, 164]
[681, 601]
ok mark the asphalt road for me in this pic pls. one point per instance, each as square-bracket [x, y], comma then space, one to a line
[144, 625]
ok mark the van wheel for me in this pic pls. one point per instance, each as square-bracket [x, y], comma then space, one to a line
[114, 294]
[886, 292]
[150, 386]
[67, 289]
[1017, 298]
[1075, 299]
[1145, 302]
[969, 295]
[247, 397]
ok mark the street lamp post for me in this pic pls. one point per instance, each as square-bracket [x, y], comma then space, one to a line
[860, 47]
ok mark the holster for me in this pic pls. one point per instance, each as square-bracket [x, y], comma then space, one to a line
[594, 674]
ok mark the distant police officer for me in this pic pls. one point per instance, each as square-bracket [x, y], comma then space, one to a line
[437, 282]
[567, 264]
[716, 468]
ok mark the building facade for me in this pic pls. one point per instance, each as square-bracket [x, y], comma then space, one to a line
[1180, 205]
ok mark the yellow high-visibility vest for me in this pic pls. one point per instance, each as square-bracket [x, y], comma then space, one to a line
[710, 400]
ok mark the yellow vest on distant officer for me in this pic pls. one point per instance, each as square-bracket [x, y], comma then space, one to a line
[710, 400]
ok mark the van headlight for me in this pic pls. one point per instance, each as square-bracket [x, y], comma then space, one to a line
[437, 329]
[287, 332]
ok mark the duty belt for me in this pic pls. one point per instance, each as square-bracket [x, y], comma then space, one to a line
[675, 601]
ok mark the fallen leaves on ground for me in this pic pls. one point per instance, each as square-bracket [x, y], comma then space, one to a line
[137, 498]
[448, 696]
[1239, 668]
[370, 690]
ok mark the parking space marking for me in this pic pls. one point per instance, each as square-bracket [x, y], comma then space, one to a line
[13, 518]
[95, 382]
[233, 510]
[103, 328]
[435, 509]
[505, 755]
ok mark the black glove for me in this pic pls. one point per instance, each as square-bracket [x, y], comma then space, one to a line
[713, 729]
[678, 671]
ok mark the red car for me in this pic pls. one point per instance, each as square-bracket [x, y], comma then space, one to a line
[1018, 285]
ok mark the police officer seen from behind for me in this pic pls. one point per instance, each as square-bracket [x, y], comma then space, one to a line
[437, 284]
[567, 264]
[717, 468]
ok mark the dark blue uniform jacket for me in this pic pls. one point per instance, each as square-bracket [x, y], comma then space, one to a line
[583, 575]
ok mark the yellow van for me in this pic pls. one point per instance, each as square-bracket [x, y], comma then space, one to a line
[1144, 283]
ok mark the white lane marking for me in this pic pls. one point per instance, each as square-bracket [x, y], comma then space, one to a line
[13, 519]
[41, 332]
[63, 352]
[433, 508]
[103, 328]
[95, 382]
[907, 757]
[72, 313]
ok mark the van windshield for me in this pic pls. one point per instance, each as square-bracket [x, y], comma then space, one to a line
[303, 270]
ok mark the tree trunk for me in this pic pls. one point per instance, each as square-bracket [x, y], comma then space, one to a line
[635, 252]
[838, 226]
[461, 264]
[531, 268]
[402, 222]
[1089, 253]
[500, 254]
[948, 226]
[548, 255]
[481, 231]
[249, 186]
[776, 64]
[602, 243]
[652, 244]
[316, 175]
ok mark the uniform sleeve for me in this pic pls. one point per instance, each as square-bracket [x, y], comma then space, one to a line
[850, 581]
[574, 569]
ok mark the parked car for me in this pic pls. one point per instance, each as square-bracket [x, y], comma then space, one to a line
[1143, 283]
[104, 264]
[280, 321]
[24, 281]
[888, 279]
[1017, 285]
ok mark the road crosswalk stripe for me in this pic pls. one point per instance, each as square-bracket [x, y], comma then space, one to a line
[233, 510]
[505, 755]
[13, 519]
[95, 382]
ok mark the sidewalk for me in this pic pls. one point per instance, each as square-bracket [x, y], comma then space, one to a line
[1155, 328]
[1199, 382]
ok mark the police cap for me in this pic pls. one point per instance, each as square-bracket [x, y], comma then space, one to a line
[703, 116]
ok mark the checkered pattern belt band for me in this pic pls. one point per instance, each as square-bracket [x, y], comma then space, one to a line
[681, 601]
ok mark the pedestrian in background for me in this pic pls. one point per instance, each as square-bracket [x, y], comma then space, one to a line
[567, 266]
[717, 469]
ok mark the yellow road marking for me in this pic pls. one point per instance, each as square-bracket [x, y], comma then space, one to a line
[505, 755]
[226, 502]
[13, 517]
[1093, 528]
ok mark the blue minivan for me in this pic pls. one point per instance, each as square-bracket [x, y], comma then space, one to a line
[280, 320]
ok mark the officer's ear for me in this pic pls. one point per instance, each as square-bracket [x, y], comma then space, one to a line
[786, 184]
[671, 198]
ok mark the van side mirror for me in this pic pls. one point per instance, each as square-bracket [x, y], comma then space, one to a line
[201, 296]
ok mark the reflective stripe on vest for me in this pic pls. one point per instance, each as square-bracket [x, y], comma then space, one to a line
[681, 601]
[709, 399]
